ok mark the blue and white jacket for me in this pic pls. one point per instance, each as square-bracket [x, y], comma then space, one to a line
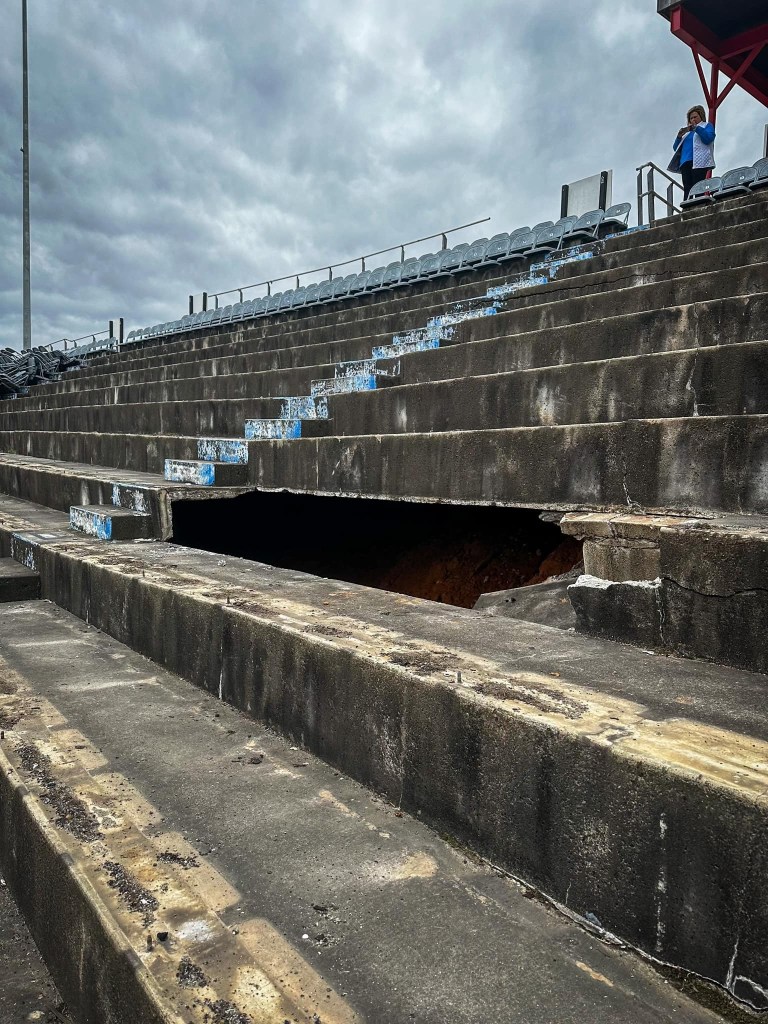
[696, 147]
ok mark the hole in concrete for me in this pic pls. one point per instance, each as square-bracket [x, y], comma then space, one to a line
[447, 553]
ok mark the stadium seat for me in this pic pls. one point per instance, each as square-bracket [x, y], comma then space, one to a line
[738, 180]
[450, 260]
[392, 275]
[585, 229]
[360, 282]
[237, 311]
[542, 224]
[375, 279]
[429, 266]
[259, 306]
[286, 299]
[498, 247]
[473, 256]
[410, 271]
[273, 302]
[547, 240]
[325, 291]
[299, 297]
[520, 244]
[616, 217]
[761, 173]
[310, 299]
[567, 222]
[703, 192]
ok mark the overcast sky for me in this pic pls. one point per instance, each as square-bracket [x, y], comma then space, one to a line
[183, 145]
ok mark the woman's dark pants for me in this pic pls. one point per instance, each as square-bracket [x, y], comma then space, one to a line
[691, 177]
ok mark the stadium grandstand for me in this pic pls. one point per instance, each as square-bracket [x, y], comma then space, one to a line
[393, 647]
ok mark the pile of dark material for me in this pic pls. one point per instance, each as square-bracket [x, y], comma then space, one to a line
[20, 370]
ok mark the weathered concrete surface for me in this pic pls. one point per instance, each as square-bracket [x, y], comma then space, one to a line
[705, 589]
[545, 603]
[683, 465]
[60, 486]
[27, 992]
[333, 899]
[17, 583]
[591, 776]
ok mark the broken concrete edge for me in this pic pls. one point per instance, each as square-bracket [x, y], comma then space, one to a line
[94, 966]
[127, 936]
[527, 771]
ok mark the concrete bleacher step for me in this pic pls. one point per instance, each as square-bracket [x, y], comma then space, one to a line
[106, 522]
[286, 429]
[17, 582]
[696, 587]
[282, 890]
[352, 382]
[205, 473]
[555, 755]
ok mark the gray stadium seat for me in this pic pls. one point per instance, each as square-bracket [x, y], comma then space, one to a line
[325, 291]
[473, 256]
[451, 260]
[429, 266]
[585, 229]
[247, 309]
[738, 180]
[392, 275]
[375, 279]
[360, 282]
[410, 270]
[299, 297]
[703, 192]
[259, 306]
[498, 247]
[567, 222]
[520, 244]
[761, 173]
[237, 311]
[273, 302]
[542, 224]
[548, 240]
[616, 217]
[286, 299]
[311, 295]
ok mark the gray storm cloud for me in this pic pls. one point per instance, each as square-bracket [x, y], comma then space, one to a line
[178, 147]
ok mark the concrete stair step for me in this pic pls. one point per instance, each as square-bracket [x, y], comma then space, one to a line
[684, 465]
[223, 449]
[105, 522]
[352, 382]
[564, 747]
[258, 913]
[17, 582]
[205, 473]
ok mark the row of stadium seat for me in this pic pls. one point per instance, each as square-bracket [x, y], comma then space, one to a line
[740, 179]
[504, 248]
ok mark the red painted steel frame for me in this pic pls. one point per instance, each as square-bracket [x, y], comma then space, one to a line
[733, 57]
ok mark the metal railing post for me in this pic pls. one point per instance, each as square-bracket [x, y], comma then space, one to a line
[651, 198]
[639, 196]
[445, 240]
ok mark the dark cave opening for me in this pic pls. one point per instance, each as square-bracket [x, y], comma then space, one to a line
[446, 553]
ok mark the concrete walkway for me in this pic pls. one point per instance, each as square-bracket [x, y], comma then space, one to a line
[378, 918]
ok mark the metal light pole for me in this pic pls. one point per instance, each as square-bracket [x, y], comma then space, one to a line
[25, 151]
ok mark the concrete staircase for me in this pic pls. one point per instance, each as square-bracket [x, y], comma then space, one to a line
[621, 386]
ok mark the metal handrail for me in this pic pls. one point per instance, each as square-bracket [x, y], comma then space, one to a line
[344, 263]
[652, 195]
[93, 335]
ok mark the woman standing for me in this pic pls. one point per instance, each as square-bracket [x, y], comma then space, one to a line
[694, 149]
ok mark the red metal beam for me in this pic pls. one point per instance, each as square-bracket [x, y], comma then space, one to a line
[687, 27]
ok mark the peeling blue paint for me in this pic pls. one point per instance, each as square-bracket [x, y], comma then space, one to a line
[93, 524]
[401, 348]
[304, 407]
[222, 449]
[343, 385]
[272, 430]
[189, 471]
